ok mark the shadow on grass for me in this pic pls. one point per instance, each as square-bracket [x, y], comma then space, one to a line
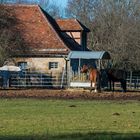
[79, 136]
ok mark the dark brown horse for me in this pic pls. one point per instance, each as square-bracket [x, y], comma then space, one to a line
[94, 77]
[115, 75]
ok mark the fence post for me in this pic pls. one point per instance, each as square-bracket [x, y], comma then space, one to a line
[137, 86]
[130, 82]
[41, 79]
[63, 74]
[71, 75]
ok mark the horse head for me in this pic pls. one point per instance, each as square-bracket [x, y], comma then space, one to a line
[84, 69]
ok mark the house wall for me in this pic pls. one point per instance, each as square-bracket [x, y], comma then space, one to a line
[79, 37]
[76, 36]
[42, 64]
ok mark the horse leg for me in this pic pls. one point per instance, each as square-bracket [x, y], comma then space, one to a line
[95, 84]
[110, 87]
[113, 85]
[91, 86]
[98, 83]
[95, 90]
[123, 85]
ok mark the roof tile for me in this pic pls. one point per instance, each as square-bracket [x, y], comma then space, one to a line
[71, 25]
[40, 31]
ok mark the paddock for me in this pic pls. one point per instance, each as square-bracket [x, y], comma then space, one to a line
[67, 76]
[70, 76]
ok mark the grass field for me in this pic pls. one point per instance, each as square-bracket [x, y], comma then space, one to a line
[32, 119]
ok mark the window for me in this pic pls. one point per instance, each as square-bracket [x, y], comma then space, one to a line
[53, 65]
[22, 65]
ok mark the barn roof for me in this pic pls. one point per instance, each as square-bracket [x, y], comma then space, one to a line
[39, 30]
[89, 55]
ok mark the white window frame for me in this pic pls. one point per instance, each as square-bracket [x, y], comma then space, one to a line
[23, 65]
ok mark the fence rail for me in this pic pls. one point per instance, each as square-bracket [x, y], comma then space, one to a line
[133, 81]
[38, 79]
[60, 80]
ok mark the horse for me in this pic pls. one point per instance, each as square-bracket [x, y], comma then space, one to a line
[117, 75]
[94, 77]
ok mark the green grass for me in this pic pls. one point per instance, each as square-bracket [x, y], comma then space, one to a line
[30, 119]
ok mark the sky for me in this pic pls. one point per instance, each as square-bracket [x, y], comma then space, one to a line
[62, 3]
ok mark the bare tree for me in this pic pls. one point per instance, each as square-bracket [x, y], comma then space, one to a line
[81, 9]
[5, 35]
[51, 7]
[114, 25]
[117, 31]
[10, 38]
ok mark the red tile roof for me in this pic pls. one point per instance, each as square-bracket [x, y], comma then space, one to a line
[71, 25]
[40, 31]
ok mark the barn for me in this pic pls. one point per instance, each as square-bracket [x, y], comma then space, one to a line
[51, 46]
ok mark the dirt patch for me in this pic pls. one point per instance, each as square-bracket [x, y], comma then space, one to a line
[68, 94]
[116, 114]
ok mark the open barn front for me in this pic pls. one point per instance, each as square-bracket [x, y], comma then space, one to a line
[90, 58]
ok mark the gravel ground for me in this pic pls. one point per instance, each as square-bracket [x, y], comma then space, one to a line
[69, 94]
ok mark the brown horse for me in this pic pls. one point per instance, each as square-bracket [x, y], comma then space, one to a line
[94, 77]
[115, 75]
[84, 69]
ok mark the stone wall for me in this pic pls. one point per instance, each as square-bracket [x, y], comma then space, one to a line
[42, 64]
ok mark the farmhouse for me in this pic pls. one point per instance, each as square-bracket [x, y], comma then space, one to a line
[48, 40]
[48, 43]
